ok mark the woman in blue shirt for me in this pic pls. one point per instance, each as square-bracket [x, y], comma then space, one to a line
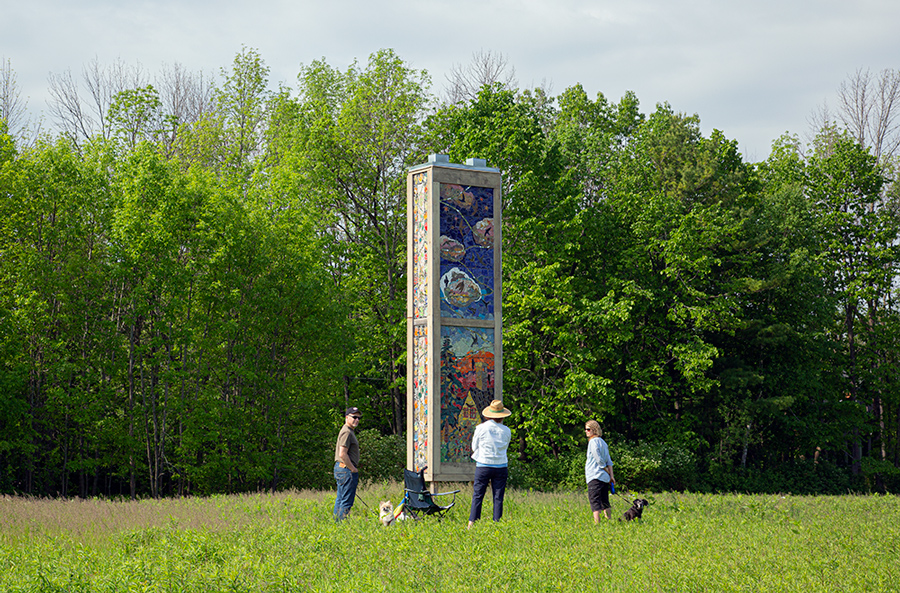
[598, 471]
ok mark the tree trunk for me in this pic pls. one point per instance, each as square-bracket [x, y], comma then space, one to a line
[746, 447]
[132, 466]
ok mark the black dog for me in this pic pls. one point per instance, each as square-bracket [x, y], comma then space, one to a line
[637, 507]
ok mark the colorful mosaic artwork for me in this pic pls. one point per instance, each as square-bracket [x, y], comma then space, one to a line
[420, 396]
[467, 387]
[467, 252]
[420, 245]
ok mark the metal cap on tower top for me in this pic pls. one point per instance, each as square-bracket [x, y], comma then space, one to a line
[443, 160]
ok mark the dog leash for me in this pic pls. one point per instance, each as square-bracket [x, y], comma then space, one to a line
[629, 501]
[359, 498]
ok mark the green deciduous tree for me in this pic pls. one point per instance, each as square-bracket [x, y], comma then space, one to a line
[860, 232]
[55, 208]
[349, 138]
[197, 278]
[166, 329]
[136, 115]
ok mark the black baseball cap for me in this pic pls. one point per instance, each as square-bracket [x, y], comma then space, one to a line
[353, 411]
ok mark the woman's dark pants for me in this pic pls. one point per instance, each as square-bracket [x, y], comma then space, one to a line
[496, 477]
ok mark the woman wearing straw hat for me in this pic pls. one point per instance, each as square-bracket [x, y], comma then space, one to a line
[598, 471]
[489, 444]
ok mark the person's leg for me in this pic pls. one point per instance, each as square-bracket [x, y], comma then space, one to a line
[478, 489]
[604, 499]
[499, 476]
[351, 491]
[595, 499]
[342, 477]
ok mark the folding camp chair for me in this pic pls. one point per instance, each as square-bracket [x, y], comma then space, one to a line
[418, 501]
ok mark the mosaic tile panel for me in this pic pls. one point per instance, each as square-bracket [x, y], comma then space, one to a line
[420, 245]
[466, 247]
[420, 396]
[467, 387]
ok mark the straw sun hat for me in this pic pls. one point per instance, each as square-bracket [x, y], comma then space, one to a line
[496, 410]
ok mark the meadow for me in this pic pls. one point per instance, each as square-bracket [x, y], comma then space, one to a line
[546, 542]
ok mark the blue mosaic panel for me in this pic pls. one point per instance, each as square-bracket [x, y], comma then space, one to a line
[467, 252]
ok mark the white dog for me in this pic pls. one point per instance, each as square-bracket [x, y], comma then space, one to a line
[387, 515]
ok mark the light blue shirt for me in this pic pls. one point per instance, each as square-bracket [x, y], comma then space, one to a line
[597, 459]
[489, 444]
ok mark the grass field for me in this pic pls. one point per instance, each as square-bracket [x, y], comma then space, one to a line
[546, 542]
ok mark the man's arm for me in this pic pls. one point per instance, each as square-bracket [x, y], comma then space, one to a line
[344, 456]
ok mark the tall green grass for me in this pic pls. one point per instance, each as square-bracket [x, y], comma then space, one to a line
[546, 542]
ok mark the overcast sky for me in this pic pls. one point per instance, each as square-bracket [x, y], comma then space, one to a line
[753, 69]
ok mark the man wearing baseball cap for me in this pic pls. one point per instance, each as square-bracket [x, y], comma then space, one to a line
[346, 464]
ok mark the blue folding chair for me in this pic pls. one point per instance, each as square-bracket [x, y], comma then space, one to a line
[418, 501]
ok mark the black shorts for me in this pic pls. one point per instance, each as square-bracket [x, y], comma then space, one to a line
[598, 495]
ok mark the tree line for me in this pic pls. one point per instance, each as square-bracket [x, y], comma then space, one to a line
[197, 274]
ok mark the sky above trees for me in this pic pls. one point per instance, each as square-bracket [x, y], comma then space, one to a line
[753, 70]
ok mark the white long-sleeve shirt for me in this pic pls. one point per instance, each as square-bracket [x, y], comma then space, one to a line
[489, 443]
